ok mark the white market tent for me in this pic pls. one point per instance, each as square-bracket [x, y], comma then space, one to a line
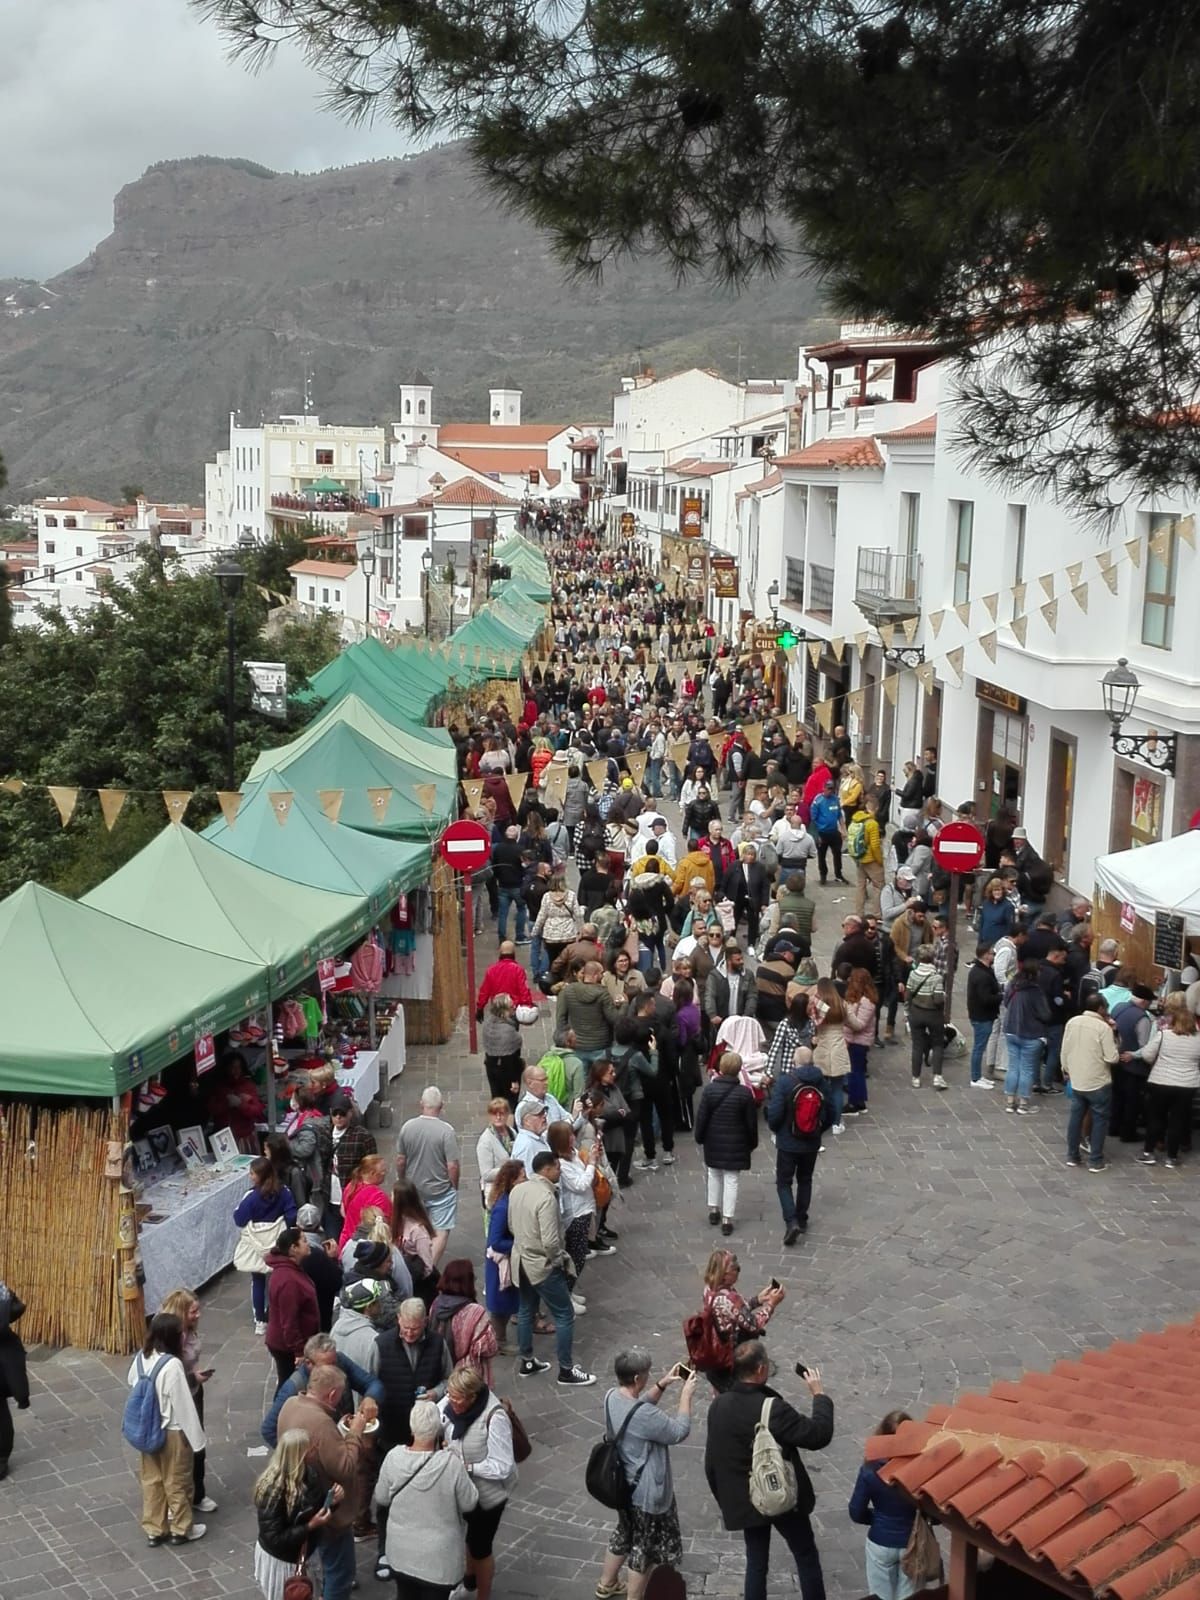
[1157, 877]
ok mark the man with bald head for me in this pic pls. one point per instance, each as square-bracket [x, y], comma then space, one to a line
[586, 1015]
[506, 975]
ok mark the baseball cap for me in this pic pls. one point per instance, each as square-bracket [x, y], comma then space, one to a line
[340, 1102]
[308, 1218]
[357, 1296]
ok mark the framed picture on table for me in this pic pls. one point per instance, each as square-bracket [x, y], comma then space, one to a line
[144, 1156]
[192, 1147]
[162, 1143]
[224, 1147]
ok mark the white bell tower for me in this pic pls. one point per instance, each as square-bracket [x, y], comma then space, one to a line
[415, 424]
[504, 408]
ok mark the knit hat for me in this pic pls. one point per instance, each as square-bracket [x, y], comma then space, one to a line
[357, 1296]
[371, 1254]
[308, 1219]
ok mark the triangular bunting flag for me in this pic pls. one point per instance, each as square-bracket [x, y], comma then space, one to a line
[988, 641]
[1018, 594]
[678, 751]
[936, 618]
[230, 802]
[111, 801]
[515, 783]
[910, 626]
[635, 760]
[330, 801]
[963, 612]
[992, 603]
[857, 701]
[838, 646]
[556, 786]
[379, 800]
[824, 711]
[473, 789]
[788, 723]
[13, 785]
[281, 804]
[814, 651]
[1050, 612]
[891, 687]
[176, 802]
[597, 772]
[1104, 560]
[1074, 573]
[753, 733]
[65, 800]
[1186, 529]
[1080, 596]
[887, 634]
[1133, 549]
[1111, 577]
[1020, 626]
[954, 660]
[1160, 543]
[860, 641]
[426, 794]
[925, 674]
[1047, 583]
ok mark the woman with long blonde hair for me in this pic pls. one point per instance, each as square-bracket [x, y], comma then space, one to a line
[289, 1498]
[828, 1013]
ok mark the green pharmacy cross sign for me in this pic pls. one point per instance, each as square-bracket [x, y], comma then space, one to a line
[787, 640]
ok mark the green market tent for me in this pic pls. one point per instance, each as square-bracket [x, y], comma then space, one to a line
[183, 883]
[310, 849]
[343, 758]
[325, 486]
[433, 761]
[354, 669]
[97, 1005]
[501, 645]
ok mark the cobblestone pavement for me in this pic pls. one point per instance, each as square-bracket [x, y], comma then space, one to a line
[950, 1247]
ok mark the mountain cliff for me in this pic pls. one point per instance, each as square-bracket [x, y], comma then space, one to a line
[222, 283]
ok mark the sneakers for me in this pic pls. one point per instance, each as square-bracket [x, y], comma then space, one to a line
[838, 1127]
[668, 1158]
[1097, 1166]
[530, 1367]
[204, 1505]
[916, 1083]
[939, 1082]
[598, 1247]
[646, 1164]
[982, 1083]
[1172, 1166]
[605, 1232]
[196, 1531]
[575, 1378]
[1024, 1109]
[1010, 1105]
[1145, 1159]
[1072, 1161]
[260, 1328]
[580, 1305]
[791, 1235]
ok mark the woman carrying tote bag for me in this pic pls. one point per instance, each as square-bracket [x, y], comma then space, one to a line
[263, 1212]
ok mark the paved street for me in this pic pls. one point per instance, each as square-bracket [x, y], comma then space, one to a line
[950, 1247]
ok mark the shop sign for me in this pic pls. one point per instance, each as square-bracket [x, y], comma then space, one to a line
[206, 1054]
[761, 637]
[1003, 699]
[325, 975]
[628, 524]
[1128, 917]
[697, 568]
[691, 516]
[725, 577]
[1169, 939]
[268, 688]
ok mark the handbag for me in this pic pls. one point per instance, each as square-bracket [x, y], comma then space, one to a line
[604, 1476]
[601, 1190]
[522, 1449]
[707, 1349]
[299, 1586]
[921, 1562]
[255, 1241]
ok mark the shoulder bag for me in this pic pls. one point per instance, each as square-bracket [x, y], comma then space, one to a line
[605, 1476]
[255, 1241]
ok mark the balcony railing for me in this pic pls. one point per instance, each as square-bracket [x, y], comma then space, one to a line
[887, 586]
[820, 592]
[324, 503]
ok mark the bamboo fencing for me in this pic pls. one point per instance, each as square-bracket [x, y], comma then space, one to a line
[433, 1021]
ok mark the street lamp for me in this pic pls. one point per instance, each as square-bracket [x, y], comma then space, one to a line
[1119, 691]
[366, 563]
[451, 580]
[427, 571]
[230, 579]
[773, 601]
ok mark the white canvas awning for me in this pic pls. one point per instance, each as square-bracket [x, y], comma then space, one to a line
[1158, 877]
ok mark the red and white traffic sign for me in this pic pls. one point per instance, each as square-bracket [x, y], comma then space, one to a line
[958, 847]
[466, 846]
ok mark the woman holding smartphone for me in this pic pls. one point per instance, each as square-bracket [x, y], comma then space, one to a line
[294, 1501]
[182, 1303]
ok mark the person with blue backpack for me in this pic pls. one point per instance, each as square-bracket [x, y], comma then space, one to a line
[162, 1425]
[798, 1112]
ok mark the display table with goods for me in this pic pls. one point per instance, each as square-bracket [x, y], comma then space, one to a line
[186, 1228]
[361, 1077]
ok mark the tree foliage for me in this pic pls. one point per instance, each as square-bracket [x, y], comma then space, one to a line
[1009, 173]
[131, 695]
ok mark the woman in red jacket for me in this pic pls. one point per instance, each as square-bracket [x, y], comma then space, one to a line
[363, 1190]
[293, 1315]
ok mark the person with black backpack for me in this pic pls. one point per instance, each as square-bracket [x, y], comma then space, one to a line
[798, 1112]
[630, 1471]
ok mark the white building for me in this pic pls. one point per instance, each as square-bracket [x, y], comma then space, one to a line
[1013, 610]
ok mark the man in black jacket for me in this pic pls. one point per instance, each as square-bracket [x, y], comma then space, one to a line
[983, 1011]
[732, 1419]
[414, 1364]
[746, 885]
[795, 1152]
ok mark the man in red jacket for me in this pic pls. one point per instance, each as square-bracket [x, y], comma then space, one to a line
[506, 975]
[293, 1313]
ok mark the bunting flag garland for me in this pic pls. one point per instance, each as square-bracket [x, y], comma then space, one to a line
[788, 723]
[111, 801]
[473, 789]
[1074, 573]
[814, 651]
[910, 626]
[887, 634]
[1050, 612]
[1186, 529]
[1111, 576]
[1133, 549]
[936, 618]
[177, 802]
[988, 641]
[635, 760]
[824, 710]
[281, 804]
[963, 613]
[330, 801]
[925, 675]
[64, 798]
[597, 772]
[1104, 559]
[1160, 543]
[954, 660]
[860, 641]
[838, 646]
[556, 787]
[857, 701]
[992, 604]
[1018, 594]
[379, 801]
[891, 687]
[426, 794]
[753, 735]
[1020, 626]
[13, 785]
[1080, 596]
[678, 751]
[514, 782]
[1047, 583]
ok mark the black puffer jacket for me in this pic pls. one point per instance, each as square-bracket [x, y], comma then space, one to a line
[282, 1532]
[727, 1124]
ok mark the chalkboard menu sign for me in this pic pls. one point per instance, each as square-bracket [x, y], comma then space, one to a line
[1169, 940]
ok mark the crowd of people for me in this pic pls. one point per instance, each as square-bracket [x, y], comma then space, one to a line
[656, 893]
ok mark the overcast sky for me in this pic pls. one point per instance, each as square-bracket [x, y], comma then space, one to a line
[93, 91]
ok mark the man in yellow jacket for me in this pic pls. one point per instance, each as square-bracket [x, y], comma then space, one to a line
[864, 844]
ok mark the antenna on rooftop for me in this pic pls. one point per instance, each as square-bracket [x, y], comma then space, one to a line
[308, 388]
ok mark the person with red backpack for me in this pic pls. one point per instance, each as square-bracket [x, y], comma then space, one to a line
[798, 1112]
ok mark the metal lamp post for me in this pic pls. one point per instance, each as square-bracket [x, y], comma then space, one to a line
[366, 564]
[1119, 691]
[452, 580]
[773, 601]
[427, 573]
[230, 579]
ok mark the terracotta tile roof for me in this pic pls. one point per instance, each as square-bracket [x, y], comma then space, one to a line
[322, 569]
[858, 451]
[588, 442]
[925, 429]
[616, 455]
[490, 461]
[771, 481]
[1090, 1471]
[695, 467]
[551, 477]
[78, 502]
[489, 433]
[470, 492]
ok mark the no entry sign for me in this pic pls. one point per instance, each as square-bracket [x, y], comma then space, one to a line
[958, 847]
[466, 846]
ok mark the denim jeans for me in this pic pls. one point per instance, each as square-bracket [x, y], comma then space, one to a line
[1050, 1066]
[856, 1083]
[1023, 1058]
[798, 1535]
[258, 1295]
[837, 1097]
[1099, 1101]
[337, 1562]
[510, 897]
[654, 778]
[983, 1033]
[885, 1579]
[538, 965]
[794, 1168]
[555, 1294]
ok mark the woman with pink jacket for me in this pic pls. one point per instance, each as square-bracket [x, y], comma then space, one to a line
[861, 1006]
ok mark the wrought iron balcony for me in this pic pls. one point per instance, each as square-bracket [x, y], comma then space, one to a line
[887, 586]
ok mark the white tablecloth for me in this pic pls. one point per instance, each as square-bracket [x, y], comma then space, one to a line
[362, 1079]
[392, 1049]
[196, 1238]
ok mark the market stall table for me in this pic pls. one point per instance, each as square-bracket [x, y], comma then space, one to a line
[196, 1236]
[362, 1079]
